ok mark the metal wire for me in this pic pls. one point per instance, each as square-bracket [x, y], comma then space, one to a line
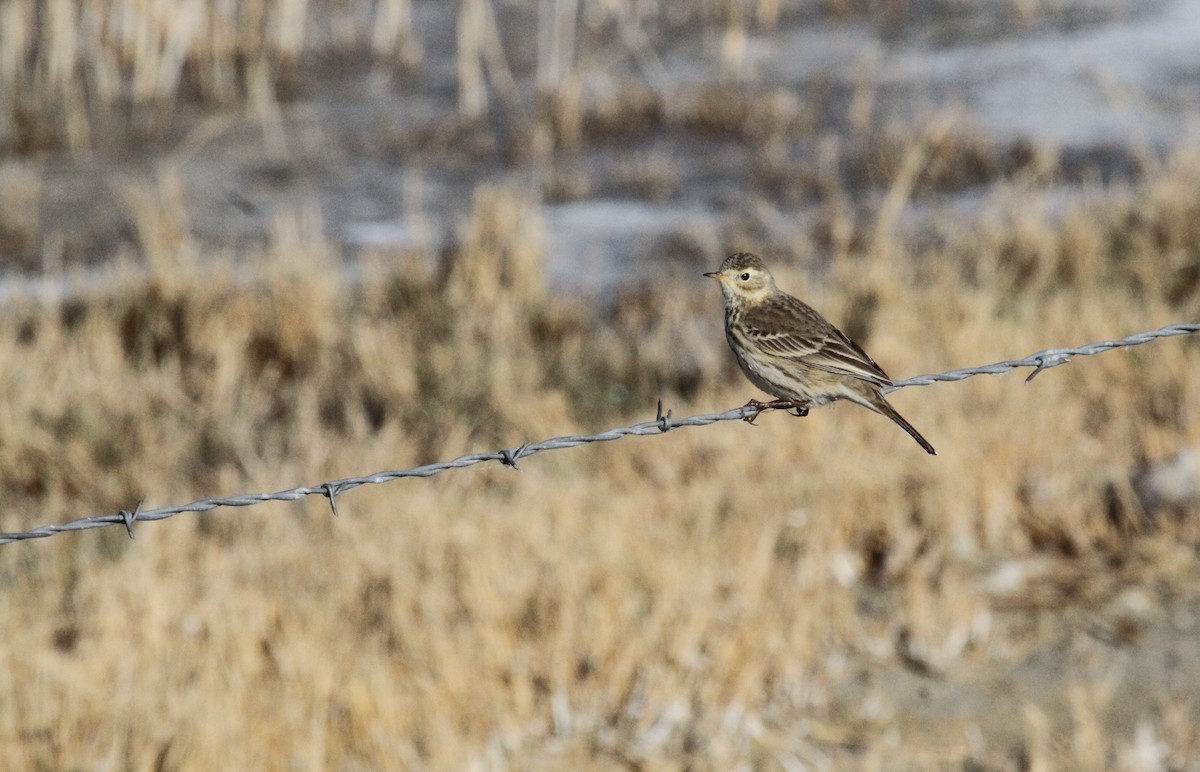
[663, 422]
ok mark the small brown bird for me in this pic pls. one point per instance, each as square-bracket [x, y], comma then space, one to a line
[789, 350]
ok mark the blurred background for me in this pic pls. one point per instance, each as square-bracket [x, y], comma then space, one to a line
[252, 244]
[645, 134]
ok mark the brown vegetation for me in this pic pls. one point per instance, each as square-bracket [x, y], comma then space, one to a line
[710, 595]
[805, 592]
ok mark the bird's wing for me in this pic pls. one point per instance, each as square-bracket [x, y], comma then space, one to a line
[843, 356]
[815, 342]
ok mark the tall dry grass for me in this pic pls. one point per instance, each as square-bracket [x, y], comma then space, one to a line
[114, 73]
[81, 73]
[814, 592]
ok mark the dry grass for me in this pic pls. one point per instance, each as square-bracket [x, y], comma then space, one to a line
[815, 593]
[801, 592]
[78, 74]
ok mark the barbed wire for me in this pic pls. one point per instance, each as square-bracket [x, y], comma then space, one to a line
[1047, 358]
[662, 423]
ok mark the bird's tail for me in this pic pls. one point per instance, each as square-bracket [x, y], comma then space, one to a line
[881, 405]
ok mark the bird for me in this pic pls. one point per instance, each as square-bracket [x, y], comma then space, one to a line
[787, 349]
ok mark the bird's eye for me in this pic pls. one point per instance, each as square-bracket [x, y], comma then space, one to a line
[746, 276]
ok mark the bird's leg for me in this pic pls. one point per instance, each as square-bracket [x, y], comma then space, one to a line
[787, 405]
[798, 409]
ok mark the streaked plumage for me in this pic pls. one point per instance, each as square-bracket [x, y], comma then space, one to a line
[789, 350]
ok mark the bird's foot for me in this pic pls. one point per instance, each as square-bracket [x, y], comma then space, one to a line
[791, 407]
[758, 408]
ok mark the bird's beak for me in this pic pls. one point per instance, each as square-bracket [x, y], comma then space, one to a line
[713, 275]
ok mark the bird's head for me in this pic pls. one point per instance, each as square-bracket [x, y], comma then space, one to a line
[744, 278]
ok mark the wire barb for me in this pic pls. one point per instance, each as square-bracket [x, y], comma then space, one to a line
[1045, 361]
[1042, 360]
[129, 518]
[663, 421]
[509, 457]
[331, 490]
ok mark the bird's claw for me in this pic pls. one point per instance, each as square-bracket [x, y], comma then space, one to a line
[758, 408]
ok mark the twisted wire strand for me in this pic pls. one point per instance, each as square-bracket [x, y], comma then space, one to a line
[663, 422]
[1047, 358]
